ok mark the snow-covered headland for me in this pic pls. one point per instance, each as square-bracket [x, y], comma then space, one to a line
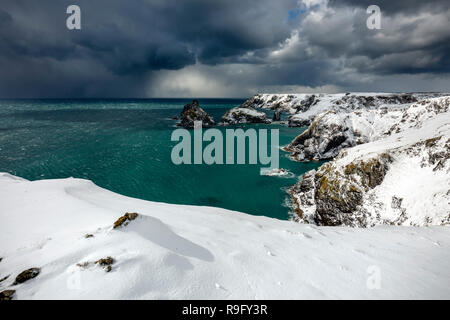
[304, 107]
[391, 166]
[62, 227]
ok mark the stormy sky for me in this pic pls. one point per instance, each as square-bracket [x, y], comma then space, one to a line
[221, 48]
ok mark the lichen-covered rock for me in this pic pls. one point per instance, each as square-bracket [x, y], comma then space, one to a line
[191, 113]
[244, 115]
[7, 295]
[105, 263]
[330, 196]
[125, 219]
[27, 275]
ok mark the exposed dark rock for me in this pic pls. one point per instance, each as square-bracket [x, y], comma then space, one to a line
[7, 295]
[125, 219]
[333, 196]
[89, 235]
[191, 113]
[105, 263]
[276, 115]
[322, 140]
[307, 103]
[27, 275]
[303, 195]
[253, 102]
[83, 264]
[295, 122]
[244, 115]
[4, 278]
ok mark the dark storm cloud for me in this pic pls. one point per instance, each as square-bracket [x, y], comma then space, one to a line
[125, 46]
[395, 6]
[128, 38]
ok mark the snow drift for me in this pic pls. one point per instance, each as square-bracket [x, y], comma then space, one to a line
[169, 251]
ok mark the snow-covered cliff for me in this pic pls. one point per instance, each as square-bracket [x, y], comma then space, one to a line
[400, 176]
[304, 107]
[332, 131]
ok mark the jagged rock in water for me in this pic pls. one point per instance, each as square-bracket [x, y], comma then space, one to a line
[244, 115]
[276, 115]
[27, 275]
[191, 113]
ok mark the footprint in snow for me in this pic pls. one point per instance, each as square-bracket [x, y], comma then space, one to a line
[268, 251]
[218, 286]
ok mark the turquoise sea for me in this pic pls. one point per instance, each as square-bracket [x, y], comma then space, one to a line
[125, 146]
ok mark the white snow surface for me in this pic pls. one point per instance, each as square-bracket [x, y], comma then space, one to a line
[424, 189]
[188, 252]
[339, 102]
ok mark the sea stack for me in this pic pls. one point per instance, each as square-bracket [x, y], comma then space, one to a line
[240, 115]
[193, 112]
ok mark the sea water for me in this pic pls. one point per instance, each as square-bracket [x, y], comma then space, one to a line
[125, 146]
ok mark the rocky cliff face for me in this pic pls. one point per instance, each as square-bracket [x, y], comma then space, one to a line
[244, 115]
[401, 177]
[193, 112]
[332, 131]
[304, 107]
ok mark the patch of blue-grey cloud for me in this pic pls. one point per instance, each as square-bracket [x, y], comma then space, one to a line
[141, 48]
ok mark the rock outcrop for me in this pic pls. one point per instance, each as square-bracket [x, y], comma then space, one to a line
[400, 178]
[106, 263]
[191, 113]
[304, 107]
[332, 131]
[324, 138]
[244, 115]
[27, 275]
[125, 219]
[7, 295]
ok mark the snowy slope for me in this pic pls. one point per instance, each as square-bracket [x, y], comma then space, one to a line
[304, 107]
[402, 178]
[175, 252]
[333, 131]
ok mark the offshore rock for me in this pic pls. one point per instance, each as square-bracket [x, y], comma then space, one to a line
[244, 115]
[193, 112]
